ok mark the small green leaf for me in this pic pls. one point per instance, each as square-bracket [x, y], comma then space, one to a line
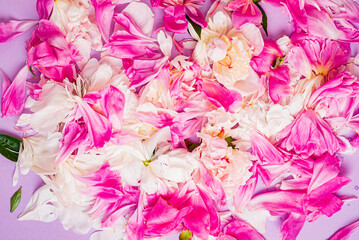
[197, 28]
[15, 200]
[278, 61]
[32, 72]
[9, 147]
[229, 141]
[186, 235]
[190, 145]
[264, 17]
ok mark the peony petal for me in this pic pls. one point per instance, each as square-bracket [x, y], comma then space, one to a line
[292, 226]
[112, 104]
[345, 232]
[175, 19]
[13, 28]
[245, 193]
[44, 8]
[13, 95]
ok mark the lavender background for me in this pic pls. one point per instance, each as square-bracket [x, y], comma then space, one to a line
[12, 59]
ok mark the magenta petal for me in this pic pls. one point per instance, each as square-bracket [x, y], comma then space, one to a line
[99, 128]
[345, 232]
[44, 8]
[74, 135]
[12, 29]
[247, 13]
[292, 226]
[278, 83]
[13, 95]
[264, 150]
[196, 16]
[112, 104]
[245, 193]
[175, 19]
[241, 230]
[104, 10]
[325, 169]
[220, 96]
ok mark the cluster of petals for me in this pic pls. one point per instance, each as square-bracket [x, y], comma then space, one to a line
[139, 135]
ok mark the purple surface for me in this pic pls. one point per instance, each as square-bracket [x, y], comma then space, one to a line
[12, 59]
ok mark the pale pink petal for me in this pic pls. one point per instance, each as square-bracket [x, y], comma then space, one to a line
[13, 28]
[13, 95]
[44, 8]
[141, 15]
[345, 232]
[298, 60]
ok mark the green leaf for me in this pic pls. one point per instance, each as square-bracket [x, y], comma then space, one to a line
[186, 235]
[15, 200]
[264, 17]
[9, 147]
[190, 145]
[32, 72]
[197, 28]
[229, 141]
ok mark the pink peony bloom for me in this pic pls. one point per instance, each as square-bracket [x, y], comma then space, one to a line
[49, 52]
[177, 11]
[309, 135]
[13, 93]
[316, 54]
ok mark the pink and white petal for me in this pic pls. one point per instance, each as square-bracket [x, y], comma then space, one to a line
[240, 229]
[196, 16]
[13, 29]
[245, 193]
[249, 13]
[254, 36]
[104, 11]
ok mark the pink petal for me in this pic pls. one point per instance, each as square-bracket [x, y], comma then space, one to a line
[278, 83]
[264, 150]
[13, 95]
[309, 135]
[195, 15]
[112, 104]
[247, 13]
[175, 19]
[270, 172]
[241, 230]
[231, 100]
[44, 8]
[345, 232]
[74, 136]
[245, 193]
[213, 187]
[264, 61]
[292, 226]
[325, 169]
[104, 11]
[99, 128]
[13, 28]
